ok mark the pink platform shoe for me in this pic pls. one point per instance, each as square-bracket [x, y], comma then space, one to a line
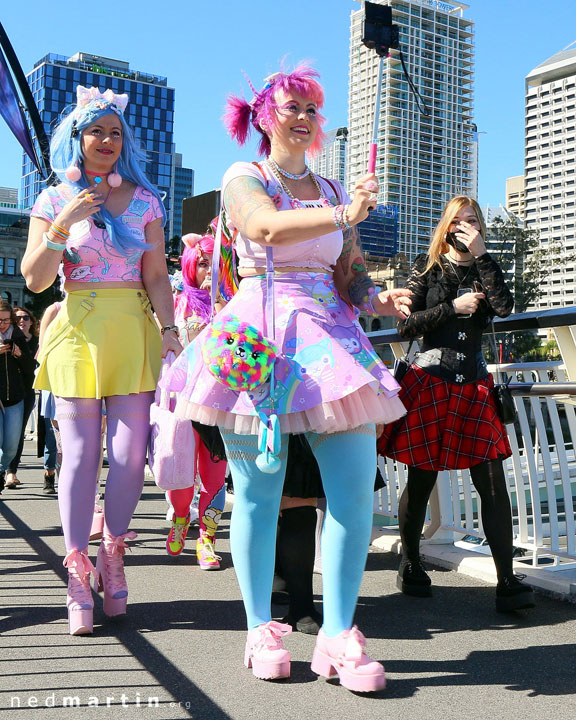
[97, 527]
[265, 652]
[344, 656]
[79, 599]
[110, 572]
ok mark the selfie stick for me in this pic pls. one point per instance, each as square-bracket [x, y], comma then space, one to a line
[379, 34]
[374, 143]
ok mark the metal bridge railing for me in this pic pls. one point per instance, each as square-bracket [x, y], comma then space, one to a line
[541, 473]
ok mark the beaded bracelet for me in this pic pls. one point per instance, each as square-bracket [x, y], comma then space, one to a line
[340, 217]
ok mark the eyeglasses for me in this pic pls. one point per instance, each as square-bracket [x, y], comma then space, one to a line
[4, 320]
[22, 317]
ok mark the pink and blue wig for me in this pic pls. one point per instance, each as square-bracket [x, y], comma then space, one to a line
[241, 115]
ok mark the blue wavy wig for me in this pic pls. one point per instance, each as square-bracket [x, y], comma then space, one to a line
[66, 151]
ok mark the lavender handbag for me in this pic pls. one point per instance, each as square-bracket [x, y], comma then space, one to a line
[172, 446]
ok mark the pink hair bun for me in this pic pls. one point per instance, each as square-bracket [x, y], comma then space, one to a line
[191, 239]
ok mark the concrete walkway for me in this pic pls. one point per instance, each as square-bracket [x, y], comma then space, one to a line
[180, 648]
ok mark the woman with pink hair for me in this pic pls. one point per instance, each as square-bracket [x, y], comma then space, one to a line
[334, 392]
[192, 311]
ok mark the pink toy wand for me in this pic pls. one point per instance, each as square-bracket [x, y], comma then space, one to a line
[378, 33]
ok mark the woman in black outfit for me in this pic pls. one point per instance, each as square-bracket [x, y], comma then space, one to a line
[451, 419]
[28, 324]
[16, 368]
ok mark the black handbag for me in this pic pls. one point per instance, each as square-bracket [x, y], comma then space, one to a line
[402, 364]
[502, 394]
[504, 400]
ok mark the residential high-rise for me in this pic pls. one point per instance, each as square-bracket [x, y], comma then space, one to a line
[515, 195]
[550, 170]
[150, 111]
[422, 160]
[330, 162]
[182, 187]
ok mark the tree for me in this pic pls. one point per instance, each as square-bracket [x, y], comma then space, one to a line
[525, 262]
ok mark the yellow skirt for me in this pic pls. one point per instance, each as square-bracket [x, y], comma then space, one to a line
[102, 342]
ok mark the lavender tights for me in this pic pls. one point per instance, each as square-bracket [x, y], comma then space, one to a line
[80, 421]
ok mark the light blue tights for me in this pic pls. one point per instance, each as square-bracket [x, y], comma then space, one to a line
[347, 464]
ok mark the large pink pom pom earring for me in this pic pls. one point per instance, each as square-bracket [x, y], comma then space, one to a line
[73, 173]
[114, 178]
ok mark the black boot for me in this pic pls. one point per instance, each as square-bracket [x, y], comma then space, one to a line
[49, 479]
[296, 546]
[2, 481]
[511, 594]
[413, 579]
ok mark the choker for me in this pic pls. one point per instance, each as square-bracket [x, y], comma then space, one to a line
[460, 262]
[291, 176]
[98, 177]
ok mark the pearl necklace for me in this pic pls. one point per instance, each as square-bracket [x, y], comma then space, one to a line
[291, 176]
[294, 202]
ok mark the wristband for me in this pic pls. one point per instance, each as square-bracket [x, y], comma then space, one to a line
[368, 305]
[166, 328]
[59, 247]
[59, 232]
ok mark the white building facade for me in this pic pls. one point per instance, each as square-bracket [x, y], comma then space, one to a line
[422, 160]
[550, 171]
[330, 162]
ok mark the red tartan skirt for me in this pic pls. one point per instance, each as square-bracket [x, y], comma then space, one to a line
[447, 426]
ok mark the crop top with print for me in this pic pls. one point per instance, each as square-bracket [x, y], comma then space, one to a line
[89, 254]
[321, 252]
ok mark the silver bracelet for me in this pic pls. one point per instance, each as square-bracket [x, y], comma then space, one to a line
[60, 247]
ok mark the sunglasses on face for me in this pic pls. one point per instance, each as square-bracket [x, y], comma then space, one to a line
[22, 317]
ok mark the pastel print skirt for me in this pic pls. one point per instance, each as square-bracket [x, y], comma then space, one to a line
[328, 378]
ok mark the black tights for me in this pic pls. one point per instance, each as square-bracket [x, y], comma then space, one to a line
[490, 483]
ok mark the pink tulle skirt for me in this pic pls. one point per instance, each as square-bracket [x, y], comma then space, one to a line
[328, 378]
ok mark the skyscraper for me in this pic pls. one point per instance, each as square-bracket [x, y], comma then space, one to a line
[182, 187]
[330, 162]
[550, 170]
[150, 111]
[422, 160]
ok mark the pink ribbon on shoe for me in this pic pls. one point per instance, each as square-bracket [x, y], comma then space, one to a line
[118, 544]
[79, 562]
[270, 633]
[354, 647]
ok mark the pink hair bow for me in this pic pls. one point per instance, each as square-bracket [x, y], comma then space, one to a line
[85, 96]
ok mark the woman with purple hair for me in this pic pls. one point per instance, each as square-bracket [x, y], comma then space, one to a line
[192, 310]
[320, 388]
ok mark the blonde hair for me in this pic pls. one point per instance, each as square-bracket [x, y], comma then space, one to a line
[439, 246]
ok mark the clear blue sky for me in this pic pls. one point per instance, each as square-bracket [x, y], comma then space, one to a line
[201, 47]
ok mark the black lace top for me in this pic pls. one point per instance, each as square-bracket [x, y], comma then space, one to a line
[433, 315]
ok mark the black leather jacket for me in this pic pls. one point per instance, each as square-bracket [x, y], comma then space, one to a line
[452, 344]
[16, 373]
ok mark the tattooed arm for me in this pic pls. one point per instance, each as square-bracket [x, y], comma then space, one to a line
[355, 285]
[254, 214]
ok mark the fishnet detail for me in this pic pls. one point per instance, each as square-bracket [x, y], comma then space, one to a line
[316, 439]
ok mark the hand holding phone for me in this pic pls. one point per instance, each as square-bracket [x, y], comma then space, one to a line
[467, 301]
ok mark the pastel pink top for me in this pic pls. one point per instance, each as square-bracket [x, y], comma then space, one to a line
[321, 252]
[89, 254]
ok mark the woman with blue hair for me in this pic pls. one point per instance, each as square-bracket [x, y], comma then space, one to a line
[103, 224]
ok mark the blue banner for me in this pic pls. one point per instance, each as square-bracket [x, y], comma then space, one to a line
[12, 112]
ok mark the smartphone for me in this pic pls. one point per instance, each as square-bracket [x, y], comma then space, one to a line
[463, 291]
